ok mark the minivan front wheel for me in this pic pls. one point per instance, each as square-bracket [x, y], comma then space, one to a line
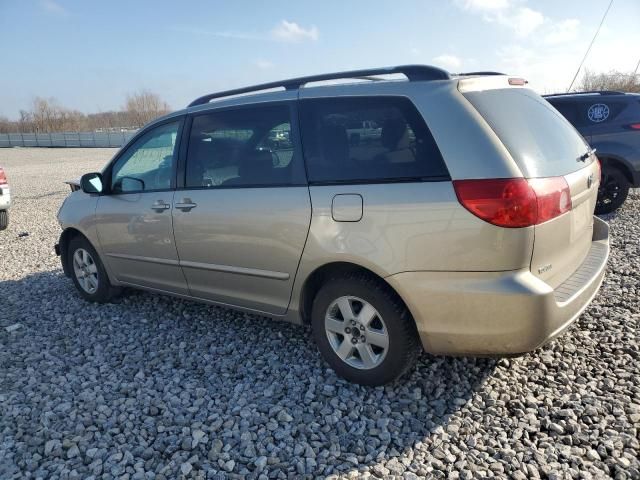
[613, 190]
[88, 273]
[363, 330]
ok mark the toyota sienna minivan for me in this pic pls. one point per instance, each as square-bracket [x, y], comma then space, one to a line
[463, 224]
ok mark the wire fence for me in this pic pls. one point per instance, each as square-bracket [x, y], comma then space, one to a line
[66, 139]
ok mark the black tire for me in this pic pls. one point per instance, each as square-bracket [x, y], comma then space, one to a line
[104, 290]
[403, 343]
[4, 219]
[613, 190]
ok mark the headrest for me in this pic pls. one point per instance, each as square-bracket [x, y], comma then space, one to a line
[393, 130]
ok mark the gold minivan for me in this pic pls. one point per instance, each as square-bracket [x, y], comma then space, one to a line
[460, 220]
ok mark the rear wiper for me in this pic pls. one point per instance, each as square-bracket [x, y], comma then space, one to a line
[586, 155]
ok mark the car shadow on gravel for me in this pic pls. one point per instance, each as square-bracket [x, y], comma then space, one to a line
[174, 382]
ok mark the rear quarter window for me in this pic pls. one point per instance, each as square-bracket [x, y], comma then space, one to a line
[368, 139]
[540, 140]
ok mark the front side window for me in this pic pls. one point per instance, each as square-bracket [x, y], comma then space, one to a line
[245, 147]
[149, 163]
[368, 139]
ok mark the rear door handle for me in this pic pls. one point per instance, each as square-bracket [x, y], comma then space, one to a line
[160, 206]
[186, 205]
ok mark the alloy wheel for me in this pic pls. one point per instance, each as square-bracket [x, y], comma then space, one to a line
[85, 270]
[356, 332]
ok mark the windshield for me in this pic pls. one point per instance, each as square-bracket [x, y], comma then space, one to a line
[540, 140]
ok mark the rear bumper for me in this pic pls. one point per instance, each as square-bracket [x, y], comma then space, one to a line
[5, 198]
[499, 313]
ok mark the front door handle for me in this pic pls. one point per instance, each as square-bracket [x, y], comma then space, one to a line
[160, 206]
[186, 205]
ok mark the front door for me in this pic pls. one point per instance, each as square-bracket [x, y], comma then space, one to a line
[134, 219]
[242, 219]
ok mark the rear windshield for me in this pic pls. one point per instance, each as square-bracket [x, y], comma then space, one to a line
[540, 140]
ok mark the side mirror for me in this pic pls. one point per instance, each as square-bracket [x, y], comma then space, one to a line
[91, 183]
[129, 184]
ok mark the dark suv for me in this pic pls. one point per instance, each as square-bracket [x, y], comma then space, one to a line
[610, 122]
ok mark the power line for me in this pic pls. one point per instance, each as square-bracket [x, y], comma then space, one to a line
[590, 45]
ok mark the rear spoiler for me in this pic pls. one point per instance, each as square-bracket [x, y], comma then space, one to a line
[74, 184]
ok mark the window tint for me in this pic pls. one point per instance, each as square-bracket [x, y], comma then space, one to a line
[590, 111]
[568, 110]
[149, 163]
[243, 147]
[367, 139]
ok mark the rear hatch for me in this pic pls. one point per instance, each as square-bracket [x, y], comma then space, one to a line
[544, 144]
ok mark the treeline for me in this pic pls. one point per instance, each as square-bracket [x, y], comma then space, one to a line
[47, 115]
[620, 81]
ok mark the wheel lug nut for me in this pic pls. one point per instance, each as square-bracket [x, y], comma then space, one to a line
[354, 340]
[347, 330]
[362, 327]
[353, 322]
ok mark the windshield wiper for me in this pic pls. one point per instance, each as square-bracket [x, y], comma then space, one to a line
[586, 155]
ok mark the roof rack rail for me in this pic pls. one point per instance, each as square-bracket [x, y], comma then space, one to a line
[467, 74]
[587, 92]
[412, 72]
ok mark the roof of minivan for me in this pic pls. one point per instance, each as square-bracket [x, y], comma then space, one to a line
[266, 91]
[288, 89]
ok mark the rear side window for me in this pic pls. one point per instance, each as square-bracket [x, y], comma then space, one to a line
[360, 139]
[590, 111]
[540, 140]
[245, 147]
[569, 111]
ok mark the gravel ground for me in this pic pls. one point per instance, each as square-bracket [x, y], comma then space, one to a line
[153, 387]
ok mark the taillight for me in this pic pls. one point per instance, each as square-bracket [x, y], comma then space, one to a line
[515, 202]
[635, 126]
[599, 170]
[3, 177]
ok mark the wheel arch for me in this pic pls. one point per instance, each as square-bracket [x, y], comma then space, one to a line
[615, 161]
[321, 274]
[66, 236]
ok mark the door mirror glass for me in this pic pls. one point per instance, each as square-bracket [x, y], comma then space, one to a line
[129, 184]
[92, 183]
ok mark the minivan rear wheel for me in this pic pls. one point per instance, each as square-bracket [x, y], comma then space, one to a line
[363, 330]
[88, 273]
[613, 190]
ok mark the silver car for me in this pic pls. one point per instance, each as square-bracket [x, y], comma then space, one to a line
[464, 227]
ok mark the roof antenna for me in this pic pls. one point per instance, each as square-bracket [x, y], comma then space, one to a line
[590, 45]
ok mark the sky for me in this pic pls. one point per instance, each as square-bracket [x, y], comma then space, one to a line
[90, 54]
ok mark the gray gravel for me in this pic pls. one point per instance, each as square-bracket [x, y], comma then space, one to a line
[153, 387]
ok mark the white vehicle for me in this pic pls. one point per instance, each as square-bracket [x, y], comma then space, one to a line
[5, 200]
[363, 131]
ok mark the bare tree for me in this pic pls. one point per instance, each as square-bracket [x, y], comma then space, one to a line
[144, 106]
[613, 80]
[46, 115]
[6, 125]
